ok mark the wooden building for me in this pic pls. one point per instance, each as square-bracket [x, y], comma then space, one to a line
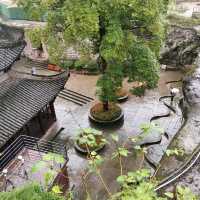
[26, 104]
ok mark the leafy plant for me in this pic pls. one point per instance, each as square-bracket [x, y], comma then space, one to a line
[137, 186]
[175, 151]
[30, 192]
[56, 50]
[181, 193]
[67, 64]
[149, 128]
[95, 161]
[184, 193]
[133, 178]
[138, 91]
[35, 36]
[134, 185]
[80, 64]
[90, 139]
[48, 162]
[92, 66]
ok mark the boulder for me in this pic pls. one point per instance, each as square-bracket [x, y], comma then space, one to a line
[191, 87]
[181, 48]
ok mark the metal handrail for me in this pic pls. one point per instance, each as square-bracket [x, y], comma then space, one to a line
[32, 143]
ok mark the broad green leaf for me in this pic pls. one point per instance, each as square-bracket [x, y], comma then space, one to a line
[121, 179]
[169, 195]
[56, 189]
[123, 151]
[115, 137]
[38, 166]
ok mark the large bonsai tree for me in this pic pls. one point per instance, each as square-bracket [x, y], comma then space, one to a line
[124, 35]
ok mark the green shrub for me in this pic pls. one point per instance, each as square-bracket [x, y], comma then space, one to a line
[138, 91]
[35, 37]
[80, 64]
[68, 64]
[29, 192]
[92, 66]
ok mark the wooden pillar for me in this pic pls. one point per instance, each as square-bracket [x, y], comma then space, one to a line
[47, 112]
[27, 129]
[51, 104]
[40, 122]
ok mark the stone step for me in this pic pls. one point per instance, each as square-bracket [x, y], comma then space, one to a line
[78, 95]
[90, 98]
[75, 97]
[72, 100]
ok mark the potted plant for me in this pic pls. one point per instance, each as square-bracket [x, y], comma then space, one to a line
[56, 53]
[35, 37]
[89, 139]
[54, 61]
[107, 111]
[139, 89]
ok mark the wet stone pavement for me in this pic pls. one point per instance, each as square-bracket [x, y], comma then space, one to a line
[190, 180]
[188, 139]
[171, 125]
[136, 111]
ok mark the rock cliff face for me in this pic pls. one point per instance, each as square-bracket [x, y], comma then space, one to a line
[191, 90]
[191, 87]
[181, 48]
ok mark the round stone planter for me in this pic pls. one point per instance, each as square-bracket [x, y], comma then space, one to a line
[84, 151]
[119, 119]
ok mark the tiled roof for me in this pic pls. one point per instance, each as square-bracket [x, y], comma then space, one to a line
[22, 99]
[9, 55]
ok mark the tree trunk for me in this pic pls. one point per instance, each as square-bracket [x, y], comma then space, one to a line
[102, 64]
[105, 105]
[101, 61]
[102, 31]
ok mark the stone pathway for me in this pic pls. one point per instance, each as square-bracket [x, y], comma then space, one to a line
[188, 138]
[136, 111]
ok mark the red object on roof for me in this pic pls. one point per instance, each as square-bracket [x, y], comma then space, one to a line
[53, 67]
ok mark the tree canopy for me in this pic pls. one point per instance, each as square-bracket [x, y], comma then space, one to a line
[118, 32]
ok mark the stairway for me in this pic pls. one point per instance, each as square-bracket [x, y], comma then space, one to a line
[75, 97]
